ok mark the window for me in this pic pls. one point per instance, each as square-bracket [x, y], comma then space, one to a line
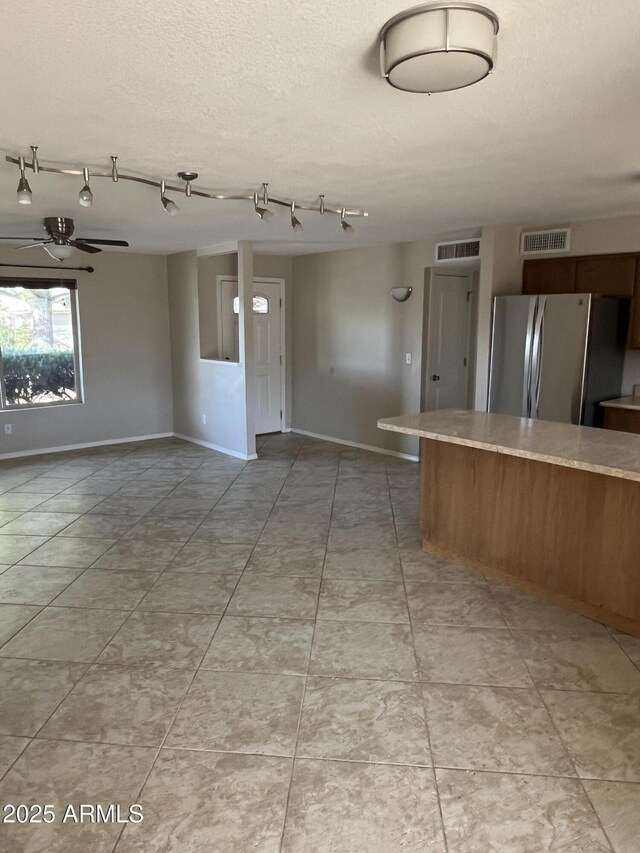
[39, 362]
[260, 305]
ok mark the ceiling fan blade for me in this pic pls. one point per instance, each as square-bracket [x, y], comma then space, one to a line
[20, 238]
[84, 247]
[33, 245]
[102, 242]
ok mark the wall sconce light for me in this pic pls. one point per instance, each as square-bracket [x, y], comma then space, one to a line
[401, 294]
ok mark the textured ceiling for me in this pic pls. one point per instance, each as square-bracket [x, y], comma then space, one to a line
[288, 92]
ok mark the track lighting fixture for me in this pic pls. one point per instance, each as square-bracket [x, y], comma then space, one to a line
[85, 196]
[25, 195]
[187, 177]
[295, 222]
[263, 204]
[170, 207]
[346, 226]
[263, 212]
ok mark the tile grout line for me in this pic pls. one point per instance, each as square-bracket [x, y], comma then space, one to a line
[198, 668]
[556, 729]
[306, 676]
[178, 709]
[423, 703]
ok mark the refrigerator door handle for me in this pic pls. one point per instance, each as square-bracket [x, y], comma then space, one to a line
[528, 344]
[538, 343]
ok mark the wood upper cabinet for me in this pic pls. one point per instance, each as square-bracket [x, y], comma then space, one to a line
[608, 275]
[633, 341]
[551, 275]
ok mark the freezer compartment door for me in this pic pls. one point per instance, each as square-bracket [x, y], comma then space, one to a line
[560, 345]
[510, 383]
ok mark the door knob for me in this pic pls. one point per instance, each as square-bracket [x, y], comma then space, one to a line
[435, 378]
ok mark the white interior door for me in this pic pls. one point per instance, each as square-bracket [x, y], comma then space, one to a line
[267, 341]
[446, 373]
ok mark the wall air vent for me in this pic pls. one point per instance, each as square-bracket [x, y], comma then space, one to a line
[457, 250]
[545, 242]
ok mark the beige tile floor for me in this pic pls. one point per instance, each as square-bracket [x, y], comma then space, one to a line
[263, 657]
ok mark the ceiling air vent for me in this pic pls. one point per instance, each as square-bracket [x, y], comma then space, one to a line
[545, 242]
[457, 250]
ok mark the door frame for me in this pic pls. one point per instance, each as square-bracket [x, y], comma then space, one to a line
[454, 272]
[257, 280]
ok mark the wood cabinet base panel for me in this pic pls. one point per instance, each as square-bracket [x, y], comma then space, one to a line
[570, 535]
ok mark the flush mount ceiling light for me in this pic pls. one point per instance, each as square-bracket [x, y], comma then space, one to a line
[438, 47]
[261, 201]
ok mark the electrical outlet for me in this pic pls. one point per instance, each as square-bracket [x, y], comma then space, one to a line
[8, 429]
[407, 358]
[204, 420]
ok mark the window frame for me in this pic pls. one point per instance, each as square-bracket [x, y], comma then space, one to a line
[71, 284]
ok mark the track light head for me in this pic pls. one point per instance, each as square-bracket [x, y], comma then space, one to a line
[263, 212]
[114, 169]
[346, 226]
[85, 196]
[25, 196]
[295, 222]
[170, 207]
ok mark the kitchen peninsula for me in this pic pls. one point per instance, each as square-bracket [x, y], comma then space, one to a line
[552, 508]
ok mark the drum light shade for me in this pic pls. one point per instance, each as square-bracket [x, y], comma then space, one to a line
[438, 47]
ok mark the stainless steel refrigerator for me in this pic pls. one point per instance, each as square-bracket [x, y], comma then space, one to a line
[557, 357]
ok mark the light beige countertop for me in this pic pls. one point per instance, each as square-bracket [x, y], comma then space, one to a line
[609, 452]
[623, 403]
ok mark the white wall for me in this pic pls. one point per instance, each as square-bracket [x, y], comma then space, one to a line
[124, 327]
[349, 342]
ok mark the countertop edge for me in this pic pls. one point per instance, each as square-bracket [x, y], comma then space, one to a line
[619, 473]
[627, 403]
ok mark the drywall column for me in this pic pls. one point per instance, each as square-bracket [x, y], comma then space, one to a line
[483, 336]
[209, 395]
[245, 337]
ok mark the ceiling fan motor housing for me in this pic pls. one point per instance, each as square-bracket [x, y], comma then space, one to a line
[59, 227]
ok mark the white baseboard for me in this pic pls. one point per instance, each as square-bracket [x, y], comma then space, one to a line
[209, 446]
[84, 446]
[357, 444]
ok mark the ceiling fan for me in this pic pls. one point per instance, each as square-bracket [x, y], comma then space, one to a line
[59, 243]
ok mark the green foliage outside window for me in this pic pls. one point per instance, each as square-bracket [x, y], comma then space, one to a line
[30, 376]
